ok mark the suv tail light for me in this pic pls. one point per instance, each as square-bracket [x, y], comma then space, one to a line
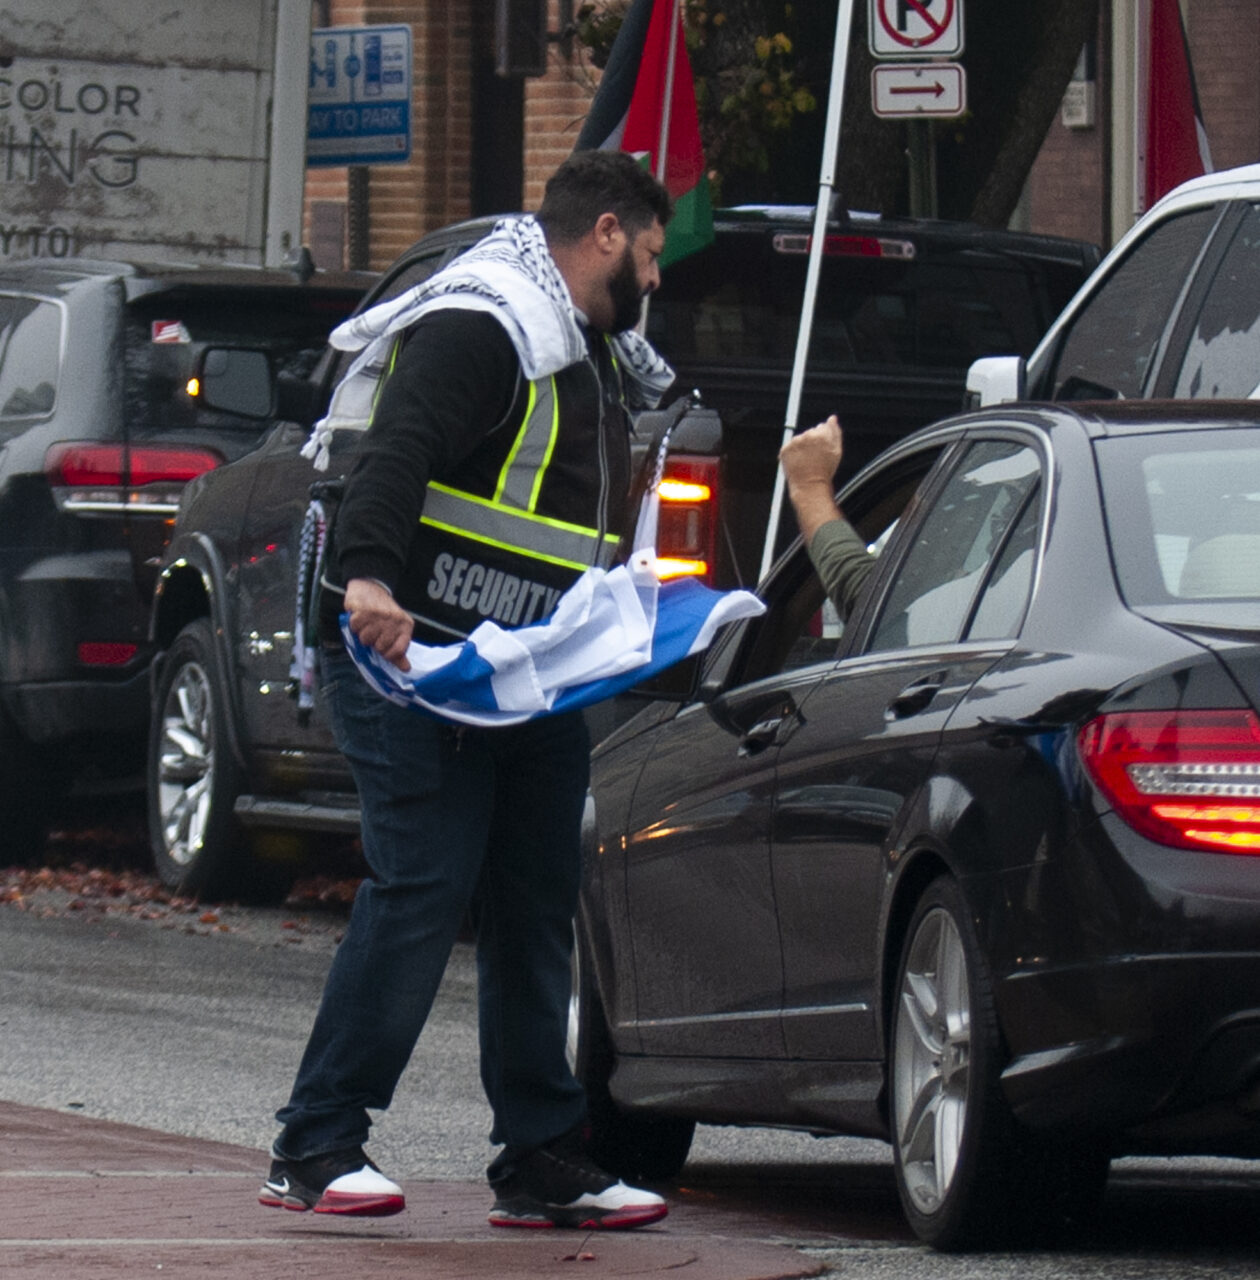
[115, 478]
[686, 535]
[1185, 778]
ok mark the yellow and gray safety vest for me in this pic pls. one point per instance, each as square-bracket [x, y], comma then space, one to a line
[531, 508]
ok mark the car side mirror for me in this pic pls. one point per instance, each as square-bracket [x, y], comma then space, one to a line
[675, 684]
[237, 380]
[996, 380]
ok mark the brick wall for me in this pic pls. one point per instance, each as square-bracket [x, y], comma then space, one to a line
[1225, 46]
[1065, 188]
[555, 106]
[404, 201]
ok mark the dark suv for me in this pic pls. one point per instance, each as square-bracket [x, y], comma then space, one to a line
[100, 429]
[239, 779]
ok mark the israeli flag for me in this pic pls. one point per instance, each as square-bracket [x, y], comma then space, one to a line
[612, 629]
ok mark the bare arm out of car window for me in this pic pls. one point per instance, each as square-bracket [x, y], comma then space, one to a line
[810, 461]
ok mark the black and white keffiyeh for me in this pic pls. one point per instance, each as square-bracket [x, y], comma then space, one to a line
[511, 275]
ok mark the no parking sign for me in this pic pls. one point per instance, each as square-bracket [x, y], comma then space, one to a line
[915, 28]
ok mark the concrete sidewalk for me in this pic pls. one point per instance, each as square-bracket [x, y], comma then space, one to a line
[85, 1199]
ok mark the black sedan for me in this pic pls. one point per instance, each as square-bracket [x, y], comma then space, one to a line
[976, 871]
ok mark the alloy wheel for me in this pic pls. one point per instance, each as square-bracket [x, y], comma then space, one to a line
[933, 1060]
[185, 774]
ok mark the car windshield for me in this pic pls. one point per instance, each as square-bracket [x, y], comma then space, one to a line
[1183, 515]
[166, 334]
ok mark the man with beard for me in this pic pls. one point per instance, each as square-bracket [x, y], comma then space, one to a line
[495, 469]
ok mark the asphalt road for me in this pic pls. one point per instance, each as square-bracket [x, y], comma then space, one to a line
[191, 1021]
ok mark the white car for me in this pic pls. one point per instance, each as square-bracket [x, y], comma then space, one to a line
[1173, 311]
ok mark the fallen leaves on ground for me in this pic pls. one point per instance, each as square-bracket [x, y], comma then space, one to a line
[79, 888]
[100, 866]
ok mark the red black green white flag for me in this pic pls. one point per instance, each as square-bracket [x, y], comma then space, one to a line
[631, 105]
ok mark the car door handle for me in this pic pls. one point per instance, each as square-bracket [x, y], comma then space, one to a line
[771, 732]
[915, 697]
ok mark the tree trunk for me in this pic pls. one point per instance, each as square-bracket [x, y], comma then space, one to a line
[1019, 58]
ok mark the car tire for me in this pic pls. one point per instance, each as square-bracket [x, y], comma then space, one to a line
[194, 779]
[968, 1174]
[24, 797]
[953, 1135]
[640, 1148]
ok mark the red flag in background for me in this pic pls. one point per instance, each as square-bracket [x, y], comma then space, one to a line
[1176, 142]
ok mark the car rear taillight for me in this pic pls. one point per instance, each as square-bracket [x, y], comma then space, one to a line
[87, 477]
[686, 537]
[1184, 778]
[845, 246]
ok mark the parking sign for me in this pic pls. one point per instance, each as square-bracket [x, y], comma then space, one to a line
[359, 96]
[915, 28]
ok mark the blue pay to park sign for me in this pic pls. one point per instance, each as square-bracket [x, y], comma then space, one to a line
[359, 96]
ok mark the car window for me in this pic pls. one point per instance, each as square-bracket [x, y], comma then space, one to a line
[30, 352]
[1222, 359]
[1113, 341]
[802, 627]
[167, 332]
[1000, 612]
[1183, 515]
[956, 545]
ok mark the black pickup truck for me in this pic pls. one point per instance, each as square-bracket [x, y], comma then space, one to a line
[239, 783]
[99, 431]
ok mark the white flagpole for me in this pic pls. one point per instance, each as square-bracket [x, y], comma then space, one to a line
[662, 146]
[826, 181]
[662, 143]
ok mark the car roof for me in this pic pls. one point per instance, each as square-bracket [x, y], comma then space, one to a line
[1131, 417]
[57, 274]
[1226, 184]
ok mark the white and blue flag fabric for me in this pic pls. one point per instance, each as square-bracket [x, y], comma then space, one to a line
[612, 629]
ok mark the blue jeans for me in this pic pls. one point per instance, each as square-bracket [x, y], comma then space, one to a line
[455, 820]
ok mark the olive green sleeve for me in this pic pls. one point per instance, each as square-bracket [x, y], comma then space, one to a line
[842, 562]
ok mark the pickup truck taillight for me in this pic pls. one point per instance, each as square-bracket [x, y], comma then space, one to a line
[91, 478]
[1185, 778]
[686, 536]
[845, 246]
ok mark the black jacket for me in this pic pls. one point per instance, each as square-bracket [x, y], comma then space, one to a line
[449, 411]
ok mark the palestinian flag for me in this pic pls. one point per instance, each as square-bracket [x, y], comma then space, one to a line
[1176, 142]
[629, 108]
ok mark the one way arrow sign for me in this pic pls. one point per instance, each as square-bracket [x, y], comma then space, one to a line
[937, 89]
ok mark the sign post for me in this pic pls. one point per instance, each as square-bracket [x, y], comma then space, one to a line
[910, 82]
[360, 96]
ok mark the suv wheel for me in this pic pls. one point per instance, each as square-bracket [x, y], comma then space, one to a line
[193, 777]
[23, 796]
